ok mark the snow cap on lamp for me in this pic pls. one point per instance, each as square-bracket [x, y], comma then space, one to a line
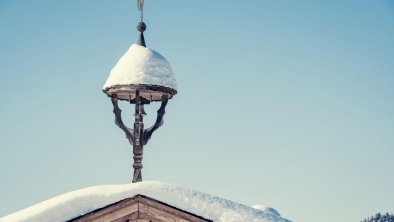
[142, 69]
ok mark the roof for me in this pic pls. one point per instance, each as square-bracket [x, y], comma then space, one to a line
[74, 204]
[139, 208]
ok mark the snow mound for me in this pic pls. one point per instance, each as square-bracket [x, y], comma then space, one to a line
[266, 209]
[80, 202]
[141, 66]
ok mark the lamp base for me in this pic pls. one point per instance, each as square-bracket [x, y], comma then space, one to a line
[148, 93]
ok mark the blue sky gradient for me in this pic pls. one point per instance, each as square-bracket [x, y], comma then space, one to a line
[284, 103]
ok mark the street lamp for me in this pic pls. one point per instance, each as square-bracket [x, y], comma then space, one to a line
[140, 77]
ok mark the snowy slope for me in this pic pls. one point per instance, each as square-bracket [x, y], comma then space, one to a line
[140, 65]
[76, 203]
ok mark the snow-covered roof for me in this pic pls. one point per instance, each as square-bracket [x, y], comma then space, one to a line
[80, 202]
[141, 65]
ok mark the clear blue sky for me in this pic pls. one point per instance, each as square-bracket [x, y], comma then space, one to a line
[284, 103]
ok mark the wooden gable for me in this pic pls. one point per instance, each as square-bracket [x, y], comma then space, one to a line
[139, 209]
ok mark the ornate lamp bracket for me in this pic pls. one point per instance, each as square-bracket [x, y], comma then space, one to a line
[138, 137]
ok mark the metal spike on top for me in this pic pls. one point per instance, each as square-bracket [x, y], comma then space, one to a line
[140, 5]
[141, 26]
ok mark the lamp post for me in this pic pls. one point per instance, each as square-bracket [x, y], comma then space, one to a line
[140, 77]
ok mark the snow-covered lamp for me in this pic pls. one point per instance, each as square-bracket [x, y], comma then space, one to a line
[141, 69]
[141, 76]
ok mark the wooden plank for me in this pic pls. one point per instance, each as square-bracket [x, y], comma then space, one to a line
[127, 218]
[111, 212]
[151, 213]
[163, 212]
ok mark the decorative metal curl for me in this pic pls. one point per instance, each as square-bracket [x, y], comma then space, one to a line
[118, 120]
[159, 120]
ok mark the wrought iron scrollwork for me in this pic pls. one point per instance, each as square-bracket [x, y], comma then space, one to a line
[118, 120]
[159, 120]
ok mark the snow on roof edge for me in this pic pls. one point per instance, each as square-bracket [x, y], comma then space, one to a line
[80, 202]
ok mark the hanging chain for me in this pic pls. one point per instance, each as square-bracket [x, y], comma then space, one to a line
[140, 5]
